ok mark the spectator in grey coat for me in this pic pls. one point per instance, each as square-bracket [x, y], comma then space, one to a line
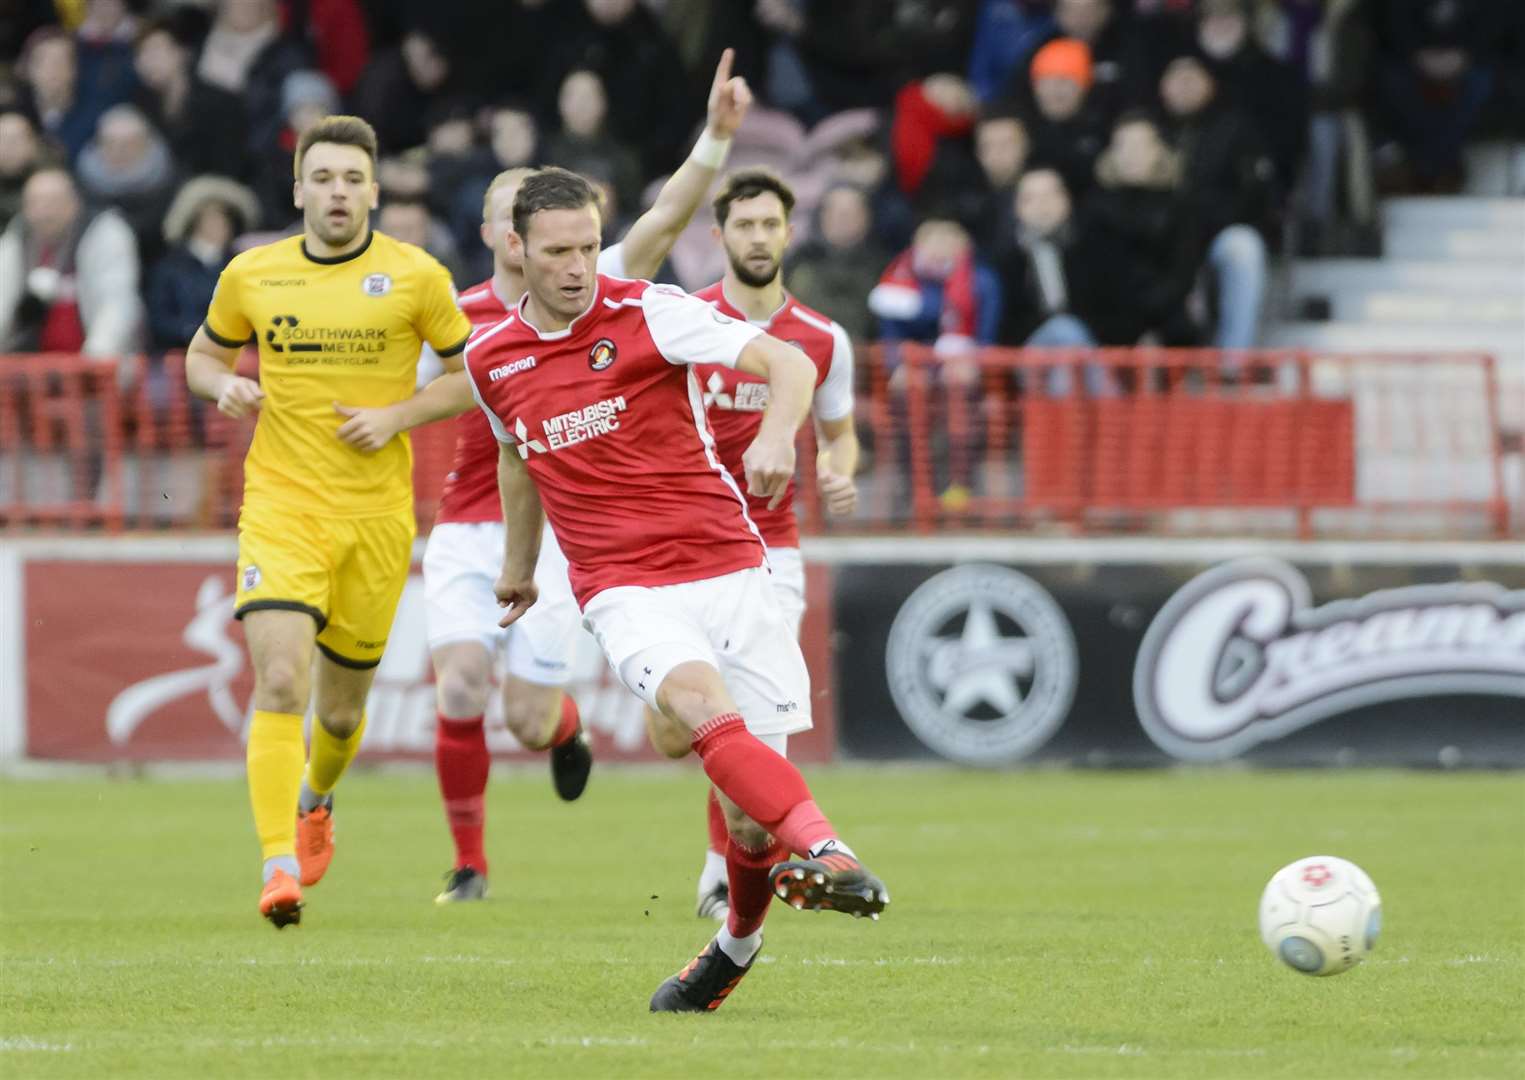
[68, 278]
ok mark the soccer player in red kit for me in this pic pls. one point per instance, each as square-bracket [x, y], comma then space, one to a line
[465, 547]
[589, 387]
[752, 225]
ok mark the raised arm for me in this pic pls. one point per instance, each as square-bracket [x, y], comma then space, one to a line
[769, 461]
[522, 521]
[655, 232]
[209, 374]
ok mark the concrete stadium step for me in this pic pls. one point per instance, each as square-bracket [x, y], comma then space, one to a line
[1458, 212]
[1489, 308]
[1439, 242]
[1505, 344]
[1331, 277]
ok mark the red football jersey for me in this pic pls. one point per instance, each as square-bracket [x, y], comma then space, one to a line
[471, 487]
[608, 418]
[735, 400]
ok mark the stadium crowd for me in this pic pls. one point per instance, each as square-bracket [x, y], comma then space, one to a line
[1048, 172]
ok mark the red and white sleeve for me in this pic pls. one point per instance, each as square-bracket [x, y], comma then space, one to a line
[689, 331]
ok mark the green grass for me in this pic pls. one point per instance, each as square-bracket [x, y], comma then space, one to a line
[1044, 924]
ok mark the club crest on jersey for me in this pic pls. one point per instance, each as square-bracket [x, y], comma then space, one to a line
[602, 354]
[251, 578]
[376, 284]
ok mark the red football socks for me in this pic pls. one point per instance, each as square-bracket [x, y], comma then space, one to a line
[720, 836]
[747, 873]
[462, 762]
[571, 722]
[768, 789]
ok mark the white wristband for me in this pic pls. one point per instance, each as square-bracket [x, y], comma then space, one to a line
[710, 151]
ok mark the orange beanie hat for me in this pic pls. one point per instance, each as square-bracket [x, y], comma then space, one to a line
[1064, 58]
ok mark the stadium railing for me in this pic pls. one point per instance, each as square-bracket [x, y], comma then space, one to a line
[1176, 441]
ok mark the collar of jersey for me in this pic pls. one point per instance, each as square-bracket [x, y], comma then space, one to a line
[736, 312]
[571, 328]
[334, 260]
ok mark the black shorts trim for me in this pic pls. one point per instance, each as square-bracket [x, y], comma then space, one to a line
[454, 349]
[226, 343]
[283, 605]
[345, 661]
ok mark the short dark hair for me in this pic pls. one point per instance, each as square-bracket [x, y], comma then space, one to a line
[748, 184]
[338, 129]
[551, 188]
[1138, 115]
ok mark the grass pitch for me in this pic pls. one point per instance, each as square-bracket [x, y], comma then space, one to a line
[1043, 924]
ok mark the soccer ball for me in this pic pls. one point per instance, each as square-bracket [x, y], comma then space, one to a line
[1320, 915]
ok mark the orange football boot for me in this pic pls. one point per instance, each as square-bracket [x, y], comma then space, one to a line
[315, 842]
[281, 900]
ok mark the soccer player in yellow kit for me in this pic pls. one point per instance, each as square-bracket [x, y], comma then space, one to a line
[325, 534]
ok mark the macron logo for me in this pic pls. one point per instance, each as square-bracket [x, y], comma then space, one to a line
[513, 367]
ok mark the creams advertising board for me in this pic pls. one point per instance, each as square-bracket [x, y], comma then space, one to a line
[1136, 652]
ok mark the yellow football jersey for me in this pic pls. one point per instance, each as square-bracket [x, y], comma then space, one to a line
[345, 330]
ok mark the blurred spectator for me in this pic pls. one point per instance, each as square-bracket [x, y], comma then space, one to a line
[1252, 82]
[48, 72]
[1331, 45]
[1043, 271]
[832, 55]
[409, 220]
[128, 166]
[939, 293]
[927, 113]
[1047, 273]
[1001, 146]
[584, 145]
[651, 103]
[21, 151]
[1138, 220]
[398, 88]
[1066, 132]
[208, 213]
[455, 158]
[1231, 184]
[306, 97]
[206, 126]
[68, 278]
[835, 271]
[248, 54]
[341, 40]
[513, 143]
[1116, 79]
[1437, 75]
[864, 165]
[103, 47]
[1007, 33]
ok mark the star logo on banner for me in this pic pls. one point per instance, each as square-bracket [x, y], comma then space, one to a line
[981, 665]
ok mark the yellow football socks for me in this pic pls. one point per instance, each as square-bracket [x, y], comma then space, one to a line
[331, 755]
[275, 757]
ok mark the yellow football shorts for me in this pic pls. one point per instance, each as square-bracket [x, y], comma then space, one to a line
[347, 573]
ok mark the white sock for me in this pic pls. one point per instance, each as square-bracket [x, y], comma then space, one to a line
[310, 800]
[714, 871]
[740, 950]
[830, 845]
[287, 863]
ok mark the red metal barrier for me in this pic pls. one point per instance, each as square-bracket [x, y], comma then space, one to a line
[1337, 444]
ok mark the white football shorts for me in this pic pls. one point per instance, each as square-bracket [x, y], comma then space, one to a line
[461, 564]
[733, 622]
[789, 583]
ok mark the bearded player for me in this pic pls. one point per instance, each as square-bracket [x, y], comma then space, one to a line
[325, 533]
[605, 435]
[752, 224]
[465, 548]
